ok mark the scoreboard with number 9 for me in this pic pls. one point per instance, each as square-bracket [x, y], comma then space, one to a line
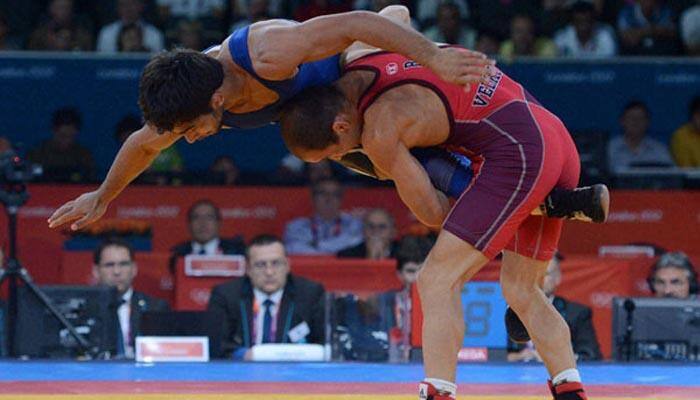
[484, 308]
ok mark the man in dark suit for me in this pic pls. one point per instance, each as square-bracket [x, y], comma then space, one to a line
[113, 265]
[268, 305]
[379, 231]
[578, 317]
[204, 222]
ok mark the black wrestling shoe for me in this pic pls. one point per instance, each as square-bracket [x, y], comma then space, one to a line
[588, 203]
[515, 328]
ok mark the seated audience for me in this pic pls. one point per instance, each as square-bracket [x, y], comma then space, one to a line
[673, 275]
[685, 142]
[488, 43]
[634, 148]
[268, 305]
[328, 229]
[114, 265]
[130, 13]
[449, 27]
[257, 10]
[7, 42]
[364, 325]
[61, 29]
[647, 27]
[585, 37]
[379, 231]
[577, 316]
[690, 30]
[524, 40]
[62, 157]
[131, 39]
[225, 171]
[204, 224]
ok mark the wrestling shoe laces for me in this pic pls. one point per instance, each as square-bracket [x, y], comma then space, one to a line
[567, 391]
[588, 203]
[426, 391]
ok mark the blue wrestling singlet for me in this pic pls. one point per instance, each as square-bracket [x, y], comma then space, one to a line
[315, 73]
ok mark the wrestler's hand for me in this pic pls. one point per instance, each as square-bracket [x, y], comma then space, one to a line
[461, 66]
[85, 209]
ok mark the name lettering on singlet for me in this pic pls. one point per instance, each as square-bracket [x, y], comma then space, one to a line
[485, 91]
[411, 64]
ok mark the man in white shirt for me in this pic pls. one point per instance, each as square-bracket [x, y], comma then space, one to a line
[114, 265]
[130, 12]
[634, 148]
[268, 305]
[585, 37]
[204, 223]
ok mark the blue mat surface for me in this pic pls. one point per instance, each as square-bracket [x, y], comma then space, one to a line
[597, 373]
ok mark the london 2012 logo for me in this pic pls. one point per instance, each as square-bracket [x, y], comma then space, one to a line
[392, 68]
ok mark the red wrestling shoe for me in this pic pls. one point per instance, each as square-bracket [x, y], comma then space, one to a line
[427, 391]
[567, 391]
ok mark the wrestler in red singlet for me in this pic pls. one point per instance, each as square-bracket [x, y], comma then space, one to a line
[524, 151]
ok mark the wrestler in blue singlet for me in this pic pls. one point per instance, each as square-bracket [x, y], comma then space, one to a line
[315, 73]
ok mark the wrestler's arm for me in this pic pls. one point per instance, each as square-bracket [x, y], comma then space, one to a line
[381, 141]
[278, 47]
[136, 154]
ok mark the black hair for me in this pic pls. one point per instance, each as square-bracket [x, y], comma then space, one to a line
[126, 28]
[307, 119]
[114, 241]
[66, 116]
[262, 240]
[130, 124]
[636, 104]
[412, 248]
[177, 86]
[201, 202]
[582, 7]
[694, 107]
[675, 259]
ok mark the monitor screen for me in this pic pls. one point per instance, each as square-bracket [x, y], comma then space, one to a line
[91, 310]
[659, 329]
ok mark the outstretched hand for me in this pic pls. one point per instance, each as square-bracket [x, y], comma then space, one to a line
[85, 209]
[461, 66]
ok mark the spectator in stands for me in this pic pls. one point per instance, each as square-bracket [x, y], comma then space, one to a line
[364, 326]
[449, 28]
[685, 142]
[114, 265]
[428, 11]
[577, 316]
[130, 12]
[327, 230]
[379, 232]
[204, 223]
[491, 15]
[308, 9]
[6, 42]
[635, 147]
[257, 10]
[169, 161]
[179, 10]
[225, 171]
[63, 159]
[647, 27]
[268, 305]
[488, 43]
[189, 35]
[673, 275]
[585, 37]
[131, 39]
[61, 30]
[524, 42]
[690, 30]
[5, 145]
[318, 171]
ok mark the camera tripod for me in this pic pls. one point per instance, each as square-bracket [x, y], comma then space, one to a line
[13, 271]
